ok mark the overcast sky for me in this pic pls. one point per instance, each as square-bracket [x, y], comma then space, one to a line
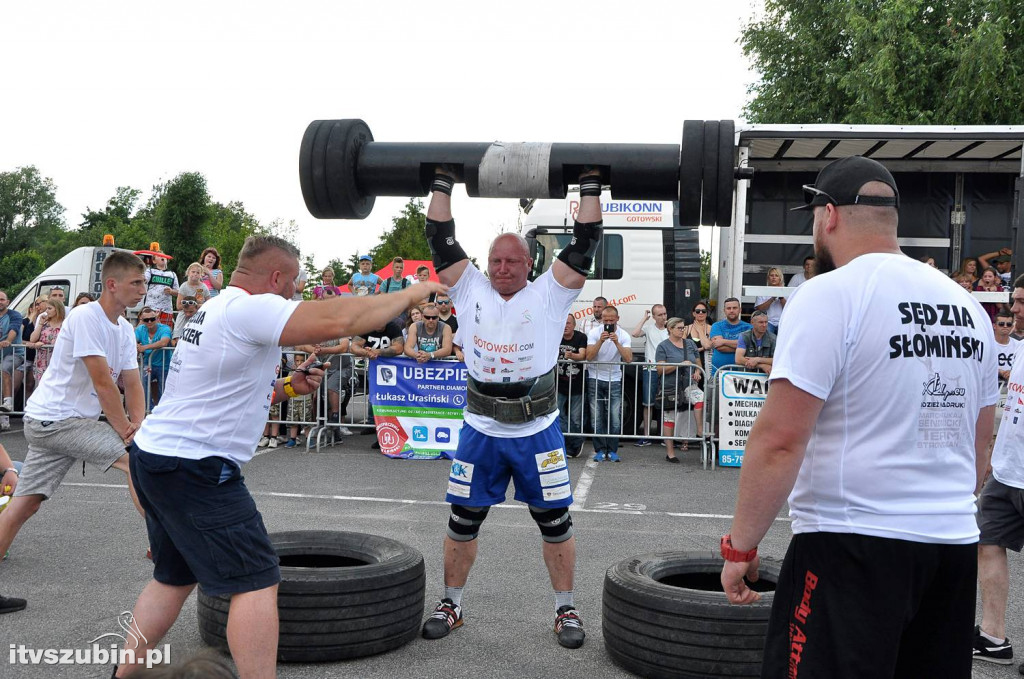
[105, 94]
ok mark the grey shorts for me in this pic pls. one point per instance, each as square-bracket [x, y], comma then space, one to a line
[1000, 515]
[12, 362]
[337, 380]
[54, 446]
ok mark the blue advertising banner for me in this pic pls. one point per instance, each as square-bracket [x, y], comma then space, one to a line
[417, 407]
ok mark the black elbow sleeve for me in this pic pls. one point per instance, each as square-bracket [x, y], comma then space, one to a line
[579, 254]
[445, 250]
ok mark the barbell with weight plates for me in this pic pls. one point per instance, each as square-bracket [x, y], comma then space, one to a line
[342, 169]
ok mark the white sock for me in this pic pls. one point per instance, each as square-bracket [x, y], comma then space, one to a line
[453, 593]
[564, 599]
[991, 638]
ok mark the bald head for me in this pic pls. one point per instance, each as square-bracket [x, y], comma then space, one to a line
[510, 238]
[267, 264]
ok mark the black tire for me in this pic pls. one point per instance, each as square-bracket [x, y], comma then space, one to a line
[664, 615]
[691, 169]
[328, 161]
[726, 171]
[342, 595]
[709, 183]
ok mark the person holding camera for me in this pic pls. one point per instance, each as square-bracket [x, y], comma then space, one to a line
[607, 345]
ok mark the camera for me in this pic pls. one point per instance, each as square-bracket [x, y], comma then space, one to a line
[609, 327]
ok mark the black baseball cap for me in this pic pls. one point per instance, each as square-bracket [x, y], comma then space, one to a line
[839, 181]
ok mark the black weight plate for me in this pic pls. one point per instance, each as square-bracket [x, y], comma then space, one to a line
[726, 171]
[691, 164]
[328, 162]
[709, 183]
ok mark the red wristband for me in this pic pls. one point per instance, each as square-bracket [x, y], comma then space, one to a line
[729, 553]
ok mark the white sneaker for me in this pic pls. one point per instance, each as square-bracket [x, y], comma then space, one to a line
[344, 431]
[7, 405]
[263, 442]
[5, 422]
[272, 442]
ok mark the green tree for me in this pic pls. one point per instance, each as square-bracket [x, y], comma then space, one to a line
[895, 61]
[18, 269]
[29, 212]
[404, 239]
[181, 215]
[705, 274]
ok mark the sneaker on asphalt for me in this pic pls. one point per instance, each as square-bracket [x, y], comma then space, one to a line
[290, 443]
[5, 422]
[569, 627]
[9, 604]
[344, 431]
[598, 456]
[614, 457]
[375, 445]
[642, 443]
[446, 617]
[1001, 654]
[7, 405]
[574, 453]
[263, 442]
[272, 443]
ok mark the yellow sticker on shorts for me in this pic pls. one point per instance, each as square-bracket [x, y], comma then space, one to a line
[550, 461]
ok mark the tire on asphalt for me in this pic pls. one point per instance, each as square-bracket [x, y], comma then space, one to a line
[665, 615]
[342, 595]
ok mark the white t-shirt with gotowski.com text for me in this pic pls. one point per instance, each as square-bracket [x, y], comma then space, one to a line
[904, 359]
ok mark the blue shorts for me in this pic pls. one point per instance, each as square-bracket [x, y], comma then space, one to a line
[203, 524]
[650, 386]
[483, 465]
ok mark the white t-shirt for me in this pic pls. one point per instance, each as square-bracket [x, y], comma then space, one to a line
[904, 359]
[1008, 452]
[1005, 353]
[797, 279]
[301, 278]
[653, 336]
[510, 340]
[158, 281]
[774, 311]
[221, 379]
[66, 389]
[608, 352]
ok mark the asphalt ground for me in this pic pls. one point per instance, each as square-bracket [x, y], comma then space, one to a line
[80, 561]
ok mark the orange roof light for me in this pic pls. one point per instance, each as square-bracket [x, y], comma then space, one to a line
[108, 240]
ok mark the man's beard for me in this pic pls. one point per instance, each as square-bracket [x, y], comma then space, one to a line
[823, 261]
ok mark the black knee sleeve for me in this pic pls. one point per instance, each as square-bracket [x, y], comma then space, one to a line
[443, 246]
[579, 254]
[555, 524]
[464, 522]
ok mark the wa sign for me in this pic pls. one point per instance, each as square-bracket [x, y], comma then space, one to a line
[417, 407]
[740, 397]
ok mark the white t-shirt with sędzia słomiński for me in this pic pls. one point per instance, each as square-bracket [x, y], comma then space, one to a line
[66, 389]
[508, 341]
[221, 379]
[1008, 451]
[608, 353]
[904, 359]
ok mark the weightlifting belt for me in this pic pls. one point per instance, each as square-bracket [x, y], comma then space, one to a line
[513, 403]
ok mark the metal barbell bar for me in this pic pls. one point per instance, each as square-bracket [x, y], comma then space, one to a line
[342, 169]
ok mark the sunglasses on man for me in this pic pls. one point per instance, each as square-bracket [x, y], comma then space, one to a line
[190, 302]
[431, 318]
[148, 320]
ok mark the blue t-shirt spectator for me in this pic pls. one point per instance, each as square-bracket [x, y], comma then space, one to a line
[11, 320]
[729, 331]
[163, 356]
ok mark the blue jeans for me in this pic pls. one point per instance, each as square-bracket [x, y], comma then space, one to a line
[606, 412]
[570, 407]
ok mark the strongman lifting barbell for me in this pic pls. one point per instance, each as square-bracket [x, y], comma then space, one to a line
[342, 169]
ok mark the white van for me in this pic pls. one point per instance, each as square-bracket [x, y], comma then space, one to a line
[643, 259]
[78, 271]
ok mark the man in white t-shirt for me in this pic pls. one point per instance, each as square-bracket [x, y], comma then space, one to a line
[805, 275]
[1006, 346]
[877, 419]
[512, 330]
[607, 343]
[652, 328]
[186, 461]
[96, 345]
[1001, 508]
